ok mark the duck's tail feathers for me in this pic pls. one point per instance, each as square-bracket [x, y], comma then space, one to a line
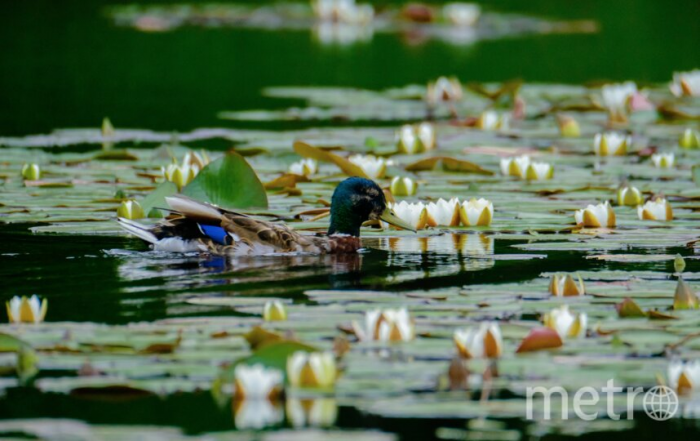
[137, 229]
[195, 210]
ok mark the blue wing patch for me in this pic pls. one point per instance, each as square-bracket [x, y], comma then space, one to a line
[217, 234]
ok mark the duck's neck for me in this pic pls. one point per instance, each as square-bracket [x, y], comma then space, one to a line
[344, 222]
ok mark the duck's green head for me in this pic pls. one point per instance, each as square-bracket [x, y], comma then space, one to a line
[357, 200]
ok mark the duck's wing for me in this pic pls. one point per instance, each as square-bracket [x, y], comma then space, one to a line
[220, 231]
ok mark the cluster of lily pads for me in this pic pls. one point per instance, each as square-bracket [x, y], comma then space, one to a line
[344, 22]
[468, 164]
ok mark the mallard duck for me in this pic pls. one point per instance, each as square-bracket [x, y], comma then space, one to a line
[197, 226]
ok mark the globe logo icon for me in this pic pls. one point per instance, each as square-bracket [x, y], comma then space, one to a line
[660, 403]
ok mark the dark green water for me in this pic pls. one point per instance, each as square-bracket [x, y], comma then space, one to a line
[64, 64]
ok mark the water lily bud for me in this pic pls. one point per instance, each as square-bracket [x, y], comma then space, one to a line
[539, 171]
[107, 134]
[690, 139]
[403, 186]
[629, 196]
[491, 120]
[374, 167]
[311, 370]
[180, 175]
[31, 172]
[567, 324]
[611, 144]
[444, 213]
[482, 342]
[685, 297]
[274, 311]
[412, 139]
[461, 14]
[663, 160]
[679, 264]
[568, 126]
[515, 166]
[305, 167]
[415, 214]
[388, 325]
[686, 83]
[26, 310]
[444, 90]
[596, 216]
[564, 286]
[257, 382]
[475, 212]
[130, 210]
[684, 377]
[658, 209]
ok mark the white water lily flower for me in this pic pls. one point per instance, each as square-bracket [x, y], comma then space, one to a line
[343, 11]
[415, 138]
[443, 213]
[476, 212]
[484, 341]
[663, 160]
[312, 412]
[596, 216]
[658, 209]
[26, 310]
[388, 325]
[567, 324]
[629, 196]
[690, 139]
[616, 97]
[274, 311]
[373, 166]
[311, 369]
[415, 214]
[564, 286]
[444, 90]
[257, 382]
[257, 414]
[304, 167]
[31, 172]
[130, 210]
[686, 83]
[403, 186]
[491, 120]
[684, 377]
[611, 144]
[461, 14]
[515, 166]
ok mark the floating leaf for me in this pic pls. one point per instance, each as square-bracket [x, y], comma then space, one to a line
[629, 308]
[309, 151]
[539, 339]
[448, 164]
[228, 182]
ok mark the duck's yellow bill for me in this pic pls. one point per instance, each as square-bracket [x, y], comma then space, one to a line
[388, 216]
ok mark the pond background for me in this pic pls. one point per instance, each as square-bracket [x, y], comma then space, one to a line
[65, 64]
